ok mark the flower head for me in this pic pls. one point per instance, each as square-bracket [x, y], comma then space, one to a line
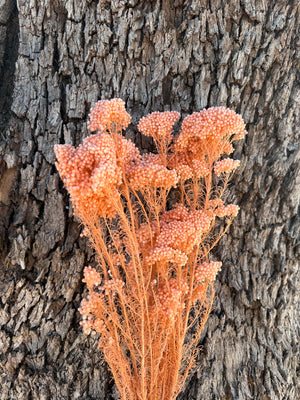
[225, 166]
[92, 278]
[91, 174]
[109, 115]
[149, 172]
[207, 270]
[170, 296]
[214, 122]
[209, 133]
[158, 124]
[227, 211]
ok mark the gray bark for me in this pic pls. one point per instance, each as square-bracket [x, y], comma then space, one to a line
[58, 57]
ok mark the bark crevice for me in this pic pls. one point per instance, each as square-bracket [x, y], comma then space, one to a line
[7, 64]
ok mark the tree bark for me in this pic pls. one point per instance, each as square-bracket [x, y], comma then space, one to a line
[57, 58]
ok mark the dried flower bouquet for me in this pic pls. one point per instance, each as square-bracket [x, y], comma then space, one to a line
[153, 291]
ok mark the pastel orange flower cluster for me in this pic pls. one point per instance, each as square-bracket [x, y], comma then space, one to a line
[170, 298]
[109, 115]
[225, 166]
[154, 283]
[207, 270]
[149, 171]
[178, 235]
[158, 124]
[212, 125]
[91, 174]
[206, 136]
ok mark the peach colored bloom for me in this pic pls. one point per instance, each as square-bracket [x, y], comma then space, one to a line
[158, 124]
[225, 166]
[108, 115]
[207, 270]
[227, 211]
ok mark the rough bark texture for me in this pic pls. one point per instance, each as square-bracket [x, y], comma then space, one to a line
[57, 57]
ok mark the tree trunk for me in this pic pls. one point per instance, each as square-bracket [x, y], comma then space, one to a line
[57, 58]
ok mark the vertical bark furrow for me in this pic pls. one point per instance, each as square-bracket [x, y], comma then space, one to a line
[9, 43]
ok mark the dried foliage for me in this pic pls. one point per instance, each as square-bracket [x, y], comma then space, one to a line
[154, 289]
